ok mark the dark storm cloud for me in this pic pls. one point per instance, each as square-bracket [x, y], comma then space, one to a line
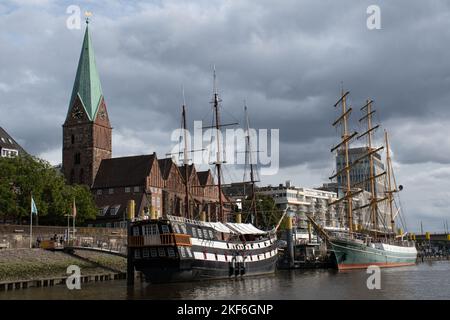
[287, 59]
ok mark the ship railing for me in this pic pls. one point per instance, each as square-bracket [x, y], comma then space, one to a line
[185, 220]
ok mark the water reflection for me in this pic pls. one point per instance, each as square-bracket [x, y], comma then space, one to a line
[423, 281]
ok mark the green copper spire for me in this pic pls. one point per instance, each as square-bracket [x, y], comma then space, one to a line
[87, 82]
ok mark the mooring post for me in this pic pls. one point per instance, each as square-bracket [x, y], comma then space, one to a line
[130, 262]
[290, 242]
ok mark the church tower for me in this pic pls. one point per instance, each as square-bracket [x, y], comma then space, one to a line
[87, 132]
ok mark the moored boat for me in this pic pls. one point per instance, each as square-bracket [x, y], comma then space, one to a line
[179, 249]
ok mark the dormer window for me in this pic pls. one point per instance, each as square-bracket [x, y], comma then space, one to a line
[115, 209]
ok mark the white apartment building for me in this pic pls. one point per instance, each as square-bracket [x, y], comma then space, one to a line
[317, 203]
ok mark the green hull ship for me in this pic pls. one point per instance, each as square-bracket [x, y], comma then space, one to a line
[357, 254]
[376, 242]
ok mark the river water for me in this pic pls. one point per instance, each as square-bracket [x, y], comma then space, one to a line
[429, 280]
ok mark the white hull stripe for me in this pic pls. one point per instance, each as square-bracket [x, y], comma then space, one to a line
[223, 244]
[229, 258]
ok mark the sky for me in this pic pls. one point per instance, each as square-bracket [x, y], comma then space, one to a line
[287, 59]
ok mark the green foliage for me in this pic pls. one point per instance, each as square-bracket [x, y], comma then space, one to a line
[24, 176]
[268, 214]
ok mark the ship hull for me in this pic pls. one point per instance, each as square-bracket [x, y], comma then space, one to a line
[197, 270]
[179, 249]
[353, 255]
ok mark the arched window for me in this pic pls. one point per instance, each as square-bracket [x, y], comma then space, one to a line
[73, 139]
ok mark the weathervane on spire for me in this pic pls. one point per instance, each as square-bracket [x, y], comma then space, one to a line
[87, 14]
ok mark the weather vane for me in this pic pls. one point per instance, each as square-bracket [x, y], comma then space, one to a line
[87, 14]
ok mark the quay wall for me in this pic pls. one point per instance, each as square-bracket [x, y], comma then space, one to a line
[18, 236]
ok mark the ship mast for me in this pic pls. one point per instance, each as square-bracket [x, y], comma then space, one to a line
[389, 192]
[343, 148]
[185, 164]
[373, 201]
[218, 162]
[252, 176]
[373, 176]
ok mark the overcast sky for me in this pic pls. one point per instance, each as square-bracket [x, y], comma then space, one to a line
[286, 58]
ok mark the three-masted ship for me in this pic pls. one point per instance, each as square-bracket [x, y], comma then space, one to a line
[186, 248]
[373, 241]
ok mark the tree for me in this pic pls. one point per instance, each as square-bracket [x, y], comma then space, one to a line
[268, 214]
[26, 176]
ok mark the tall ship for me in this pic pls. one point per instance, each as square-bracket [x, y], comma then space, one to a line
[369, 236]
[185, 247]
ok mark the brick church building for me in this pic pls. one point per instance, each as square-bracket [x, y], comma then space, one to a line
[154, 184]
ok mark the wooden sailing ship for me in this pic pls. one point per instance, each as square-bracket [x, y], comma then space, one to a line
[372, 242]
[186, 248]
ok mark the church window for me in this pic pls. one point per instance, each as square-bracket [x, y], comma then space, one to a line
[72, 176]
[73, 139]
[77, 158]
[127, 189]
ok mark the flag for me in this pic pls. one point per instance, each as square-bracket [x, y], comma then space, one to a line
[74, 209]
[34, 209]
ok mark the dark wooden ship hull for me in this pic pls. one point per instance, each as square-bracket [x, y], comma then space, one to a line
[177, 253]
